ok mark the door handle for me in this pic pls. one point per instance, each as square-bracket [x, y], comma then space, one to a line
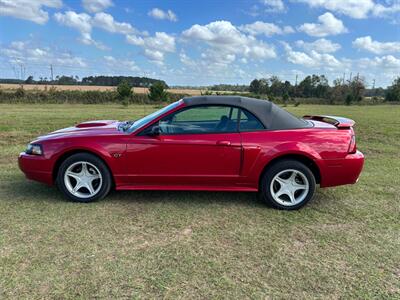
[223, 143]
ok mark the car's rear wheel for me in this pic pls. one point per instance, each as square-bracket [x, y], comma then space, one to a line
[288, 185]
[84, 177]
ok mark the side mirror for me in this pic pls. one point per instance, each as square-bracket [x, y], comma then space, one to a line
[155, 130]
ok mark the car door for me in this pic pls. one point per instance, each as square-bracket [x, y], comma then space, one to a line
[198, 146]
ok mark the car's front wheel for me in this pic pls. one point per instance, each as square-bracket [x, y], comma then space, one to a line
[84, 177]
[288, 185]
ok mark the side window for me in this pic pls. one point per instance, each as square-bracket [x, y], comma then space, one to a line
[248, 122]
[201, 119]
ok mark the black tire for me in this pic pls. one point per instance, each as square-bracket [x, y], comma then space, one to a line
[91, 159]
[281, 166]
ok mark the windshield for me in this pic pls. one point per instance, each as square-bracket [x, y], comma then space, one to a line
[143, 121]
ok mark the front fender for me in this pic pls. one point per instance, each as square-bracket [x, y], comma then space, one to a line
[104, 150]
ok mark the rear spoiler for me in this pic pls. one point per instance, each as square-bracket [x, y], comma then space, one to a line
[339, 122]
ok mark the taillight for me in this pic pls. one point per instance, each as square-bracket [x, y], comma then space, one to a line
[352, 146]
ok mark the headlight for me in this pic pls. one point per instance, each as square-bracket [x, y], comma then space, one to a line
[34, 149]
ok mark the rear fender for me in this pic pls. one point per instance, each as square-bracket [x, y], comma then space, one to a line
[264, 158]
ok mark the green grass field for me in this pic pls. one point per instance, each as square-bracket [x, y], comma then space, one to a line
[343, 244]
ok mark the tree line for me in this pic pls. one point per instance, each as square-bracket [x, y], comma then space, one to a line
[90, 80]
[317, 86]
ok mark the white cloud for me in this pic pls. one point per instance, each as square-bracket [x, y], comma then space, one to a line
[274, 5]
[160, 41]
[120, 64]
[19, 52]
[267, 29]
[159, 14]
[31, 10]
[154, 55]
[366, 43]
[106, 22]
[186, 60]
[357, 9]
[380, 10]
[94, 6]
[384, 68]
[227, 42]
[84, 23]
[80, 22]
[320, 45]
[134, 40]
[313, 59]
[328, 25]
[154, 47]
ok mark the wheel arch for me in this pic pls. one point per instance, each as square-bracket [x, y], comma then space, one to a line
[71, 152]
[306, 160]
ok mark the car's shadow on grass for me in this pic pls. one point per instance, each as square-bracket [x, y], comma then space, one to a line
[186, 197]
[23, 190]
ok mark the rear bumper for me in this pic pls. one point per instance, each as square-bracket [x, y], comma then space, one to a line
[341, 171]
[35, 168]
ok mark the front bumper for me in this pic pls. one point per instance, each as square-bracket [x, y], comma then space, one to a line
[36, 168]
[341, 171]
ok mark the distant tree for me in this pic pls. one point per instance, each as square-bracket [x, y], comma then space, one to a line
[288, 88]
[314, 86]
[66, 80]
[29, 80]
[157, 92]
[255, 86]
[264, 86]
[349, 99]
[357, 87]
[320, 85]
[124, 91]
[285, 98]
[115, 80]
[393, 91]
[275, 86]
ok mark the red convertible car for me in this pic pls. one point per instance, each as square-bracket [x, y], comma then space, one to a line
[217, 143]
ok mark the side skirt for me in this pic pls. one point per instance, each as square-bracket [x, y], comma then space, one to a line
[187, 188]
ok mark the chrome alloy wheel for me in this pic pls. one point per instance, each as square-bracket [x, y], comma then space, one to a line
[289, 187]
[83, 179]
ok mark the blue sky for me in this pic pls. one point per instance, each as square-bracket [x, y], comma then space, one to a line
[201, 42]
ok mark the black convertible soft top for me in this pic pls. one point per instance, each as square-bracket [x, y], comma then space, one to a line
[272, 116]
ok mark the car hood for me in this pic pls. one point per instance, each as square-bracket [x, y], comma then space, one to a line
[85, 129]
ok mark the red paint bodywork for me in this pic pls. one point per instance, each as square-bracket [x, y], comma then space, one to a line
[214, 162]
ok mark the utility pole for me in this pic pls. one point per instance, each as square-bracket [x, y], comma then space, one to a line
[51, 71]
[15, 72]
[351, 73]
[344, 77]
[373, 88]
[296, 80]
